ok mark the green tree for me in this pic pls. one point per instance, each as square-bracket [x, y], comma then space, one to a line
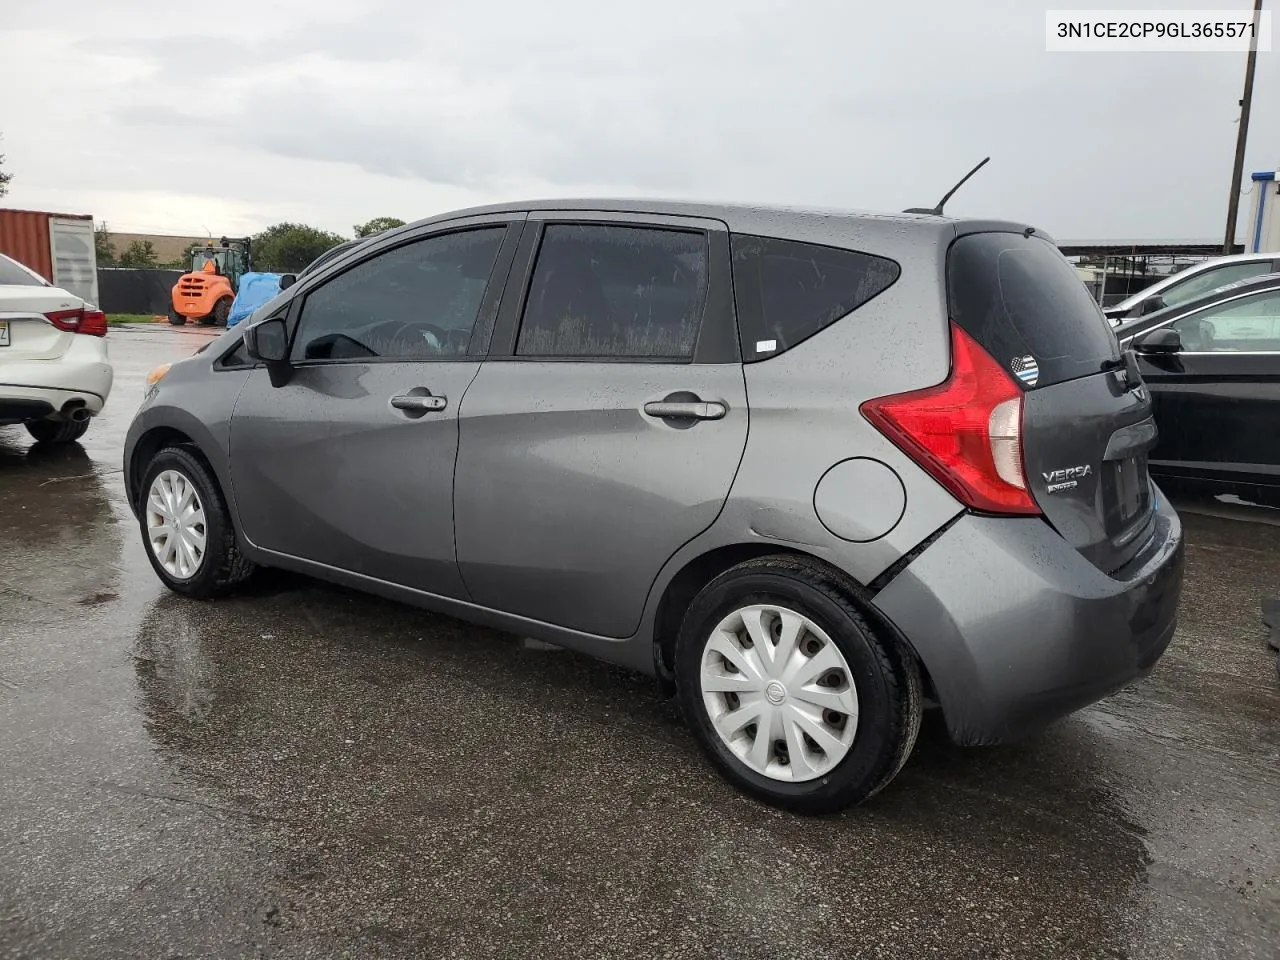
[102, 246]
[288, 247]
[141, 253]
[377, 225]
[5, 177]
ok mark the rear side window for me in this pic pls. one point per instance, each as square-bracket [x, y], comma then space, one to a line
[615, 292]
[14, 275]
[787, 291]
[1023, 302]
[1192, 287]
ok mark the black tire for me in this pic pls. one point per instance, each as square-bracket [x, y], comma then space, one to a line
[57, 431]
[221, 310]
[222, 566]
[886, 678]
[176, 319]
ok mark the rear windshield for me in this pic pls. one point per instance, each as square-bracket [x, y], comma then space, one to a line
[1022, 301]
[15, 275]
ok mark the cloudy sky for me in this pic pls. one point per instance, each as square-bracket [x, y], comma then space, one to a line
[225, 117]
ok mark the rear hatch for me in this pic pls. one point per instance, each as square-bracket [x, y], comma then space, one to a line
[1087, 426]
[26, 331]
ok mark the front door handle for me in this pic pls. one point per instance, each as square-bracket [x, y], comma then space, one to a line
[416, 403]
[686, 409]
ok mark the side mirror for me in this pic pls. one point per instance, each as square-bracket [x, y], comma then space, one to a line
[268, 342]
[1151, 305]
[1164, 341]
[287, 280]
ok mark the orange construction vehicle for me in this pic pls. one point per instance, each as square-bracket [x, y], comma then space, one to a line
[206, 293]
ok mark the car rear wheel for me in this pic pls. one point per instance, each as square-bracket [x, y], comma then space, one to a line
[186, 528]
[791, 692]
[57, 431]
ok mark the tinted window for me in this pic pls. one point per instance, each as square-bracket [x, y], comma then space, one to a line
[788, 291]
[603, 291]
[1194, 286]
[1020, 298]
[15, 275]
[1249, 324]
[415, 302]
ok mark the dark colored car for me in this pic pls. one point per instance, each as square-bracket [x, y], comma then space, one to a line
[811, 469]
[1213, 368]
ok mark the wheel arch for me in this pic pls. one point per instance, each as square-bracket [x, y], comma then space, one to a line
[179, 429]
[700, 570]
[148, 445]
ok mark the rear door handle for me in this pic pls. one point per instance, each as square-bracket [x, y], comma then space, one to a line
[686, 410]
[419, 404]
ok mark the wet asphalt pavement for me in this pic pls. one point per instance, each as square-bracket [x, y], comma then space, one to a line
[301, 771]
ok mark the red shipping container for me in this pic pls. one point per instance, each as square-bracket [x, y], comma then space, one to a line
[24, 236]
[58, 246]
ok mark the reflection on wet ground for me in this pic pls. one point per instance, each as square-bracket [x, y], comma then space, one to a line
[304, 771]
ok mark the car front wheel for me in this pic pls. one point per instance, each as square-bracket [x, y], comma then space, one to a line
[186, 528]
[791, 692]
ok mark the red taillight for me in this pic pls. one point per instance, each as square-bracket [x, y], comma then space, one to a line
[94, 323]
[966, 432]
[91, 322]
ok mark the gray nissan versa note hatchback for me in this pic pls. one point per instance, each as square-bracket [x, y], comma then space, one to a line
[816, 471]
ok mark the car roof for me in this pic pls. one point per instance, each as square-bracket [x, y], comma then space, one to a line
[840, 226]
[1227, 291]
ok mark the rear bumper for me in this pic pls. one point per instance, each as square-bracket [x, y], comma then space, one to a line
[83, 374]
[194, 302]
[1017, 629]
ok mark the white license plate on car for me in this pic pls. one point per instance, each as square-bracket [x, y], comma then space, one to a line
[4, 333]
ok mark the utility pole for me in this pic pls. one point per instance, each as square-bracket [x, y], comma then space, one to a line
[1233, 205]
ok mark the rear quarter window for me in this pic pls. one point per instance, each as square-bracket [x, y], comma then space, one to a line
[1023, 302]
[786, 291]
[13, 274]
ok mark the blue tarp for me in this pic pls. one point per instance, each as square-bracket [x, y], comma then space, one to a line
[255, 290]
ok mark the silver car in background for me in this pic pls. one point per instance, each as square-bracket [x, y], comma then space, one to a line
[1192, 283]
[815, 471]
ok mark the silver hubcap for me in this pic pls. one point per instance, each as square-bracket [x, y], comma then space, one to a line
[175, 524]
[779, 693]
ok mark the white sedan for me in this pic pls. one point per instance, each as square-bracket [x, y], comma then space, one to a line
[54, 371]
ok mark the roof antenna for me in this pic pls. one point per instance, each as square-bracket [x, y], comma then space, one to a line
[937, 211]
